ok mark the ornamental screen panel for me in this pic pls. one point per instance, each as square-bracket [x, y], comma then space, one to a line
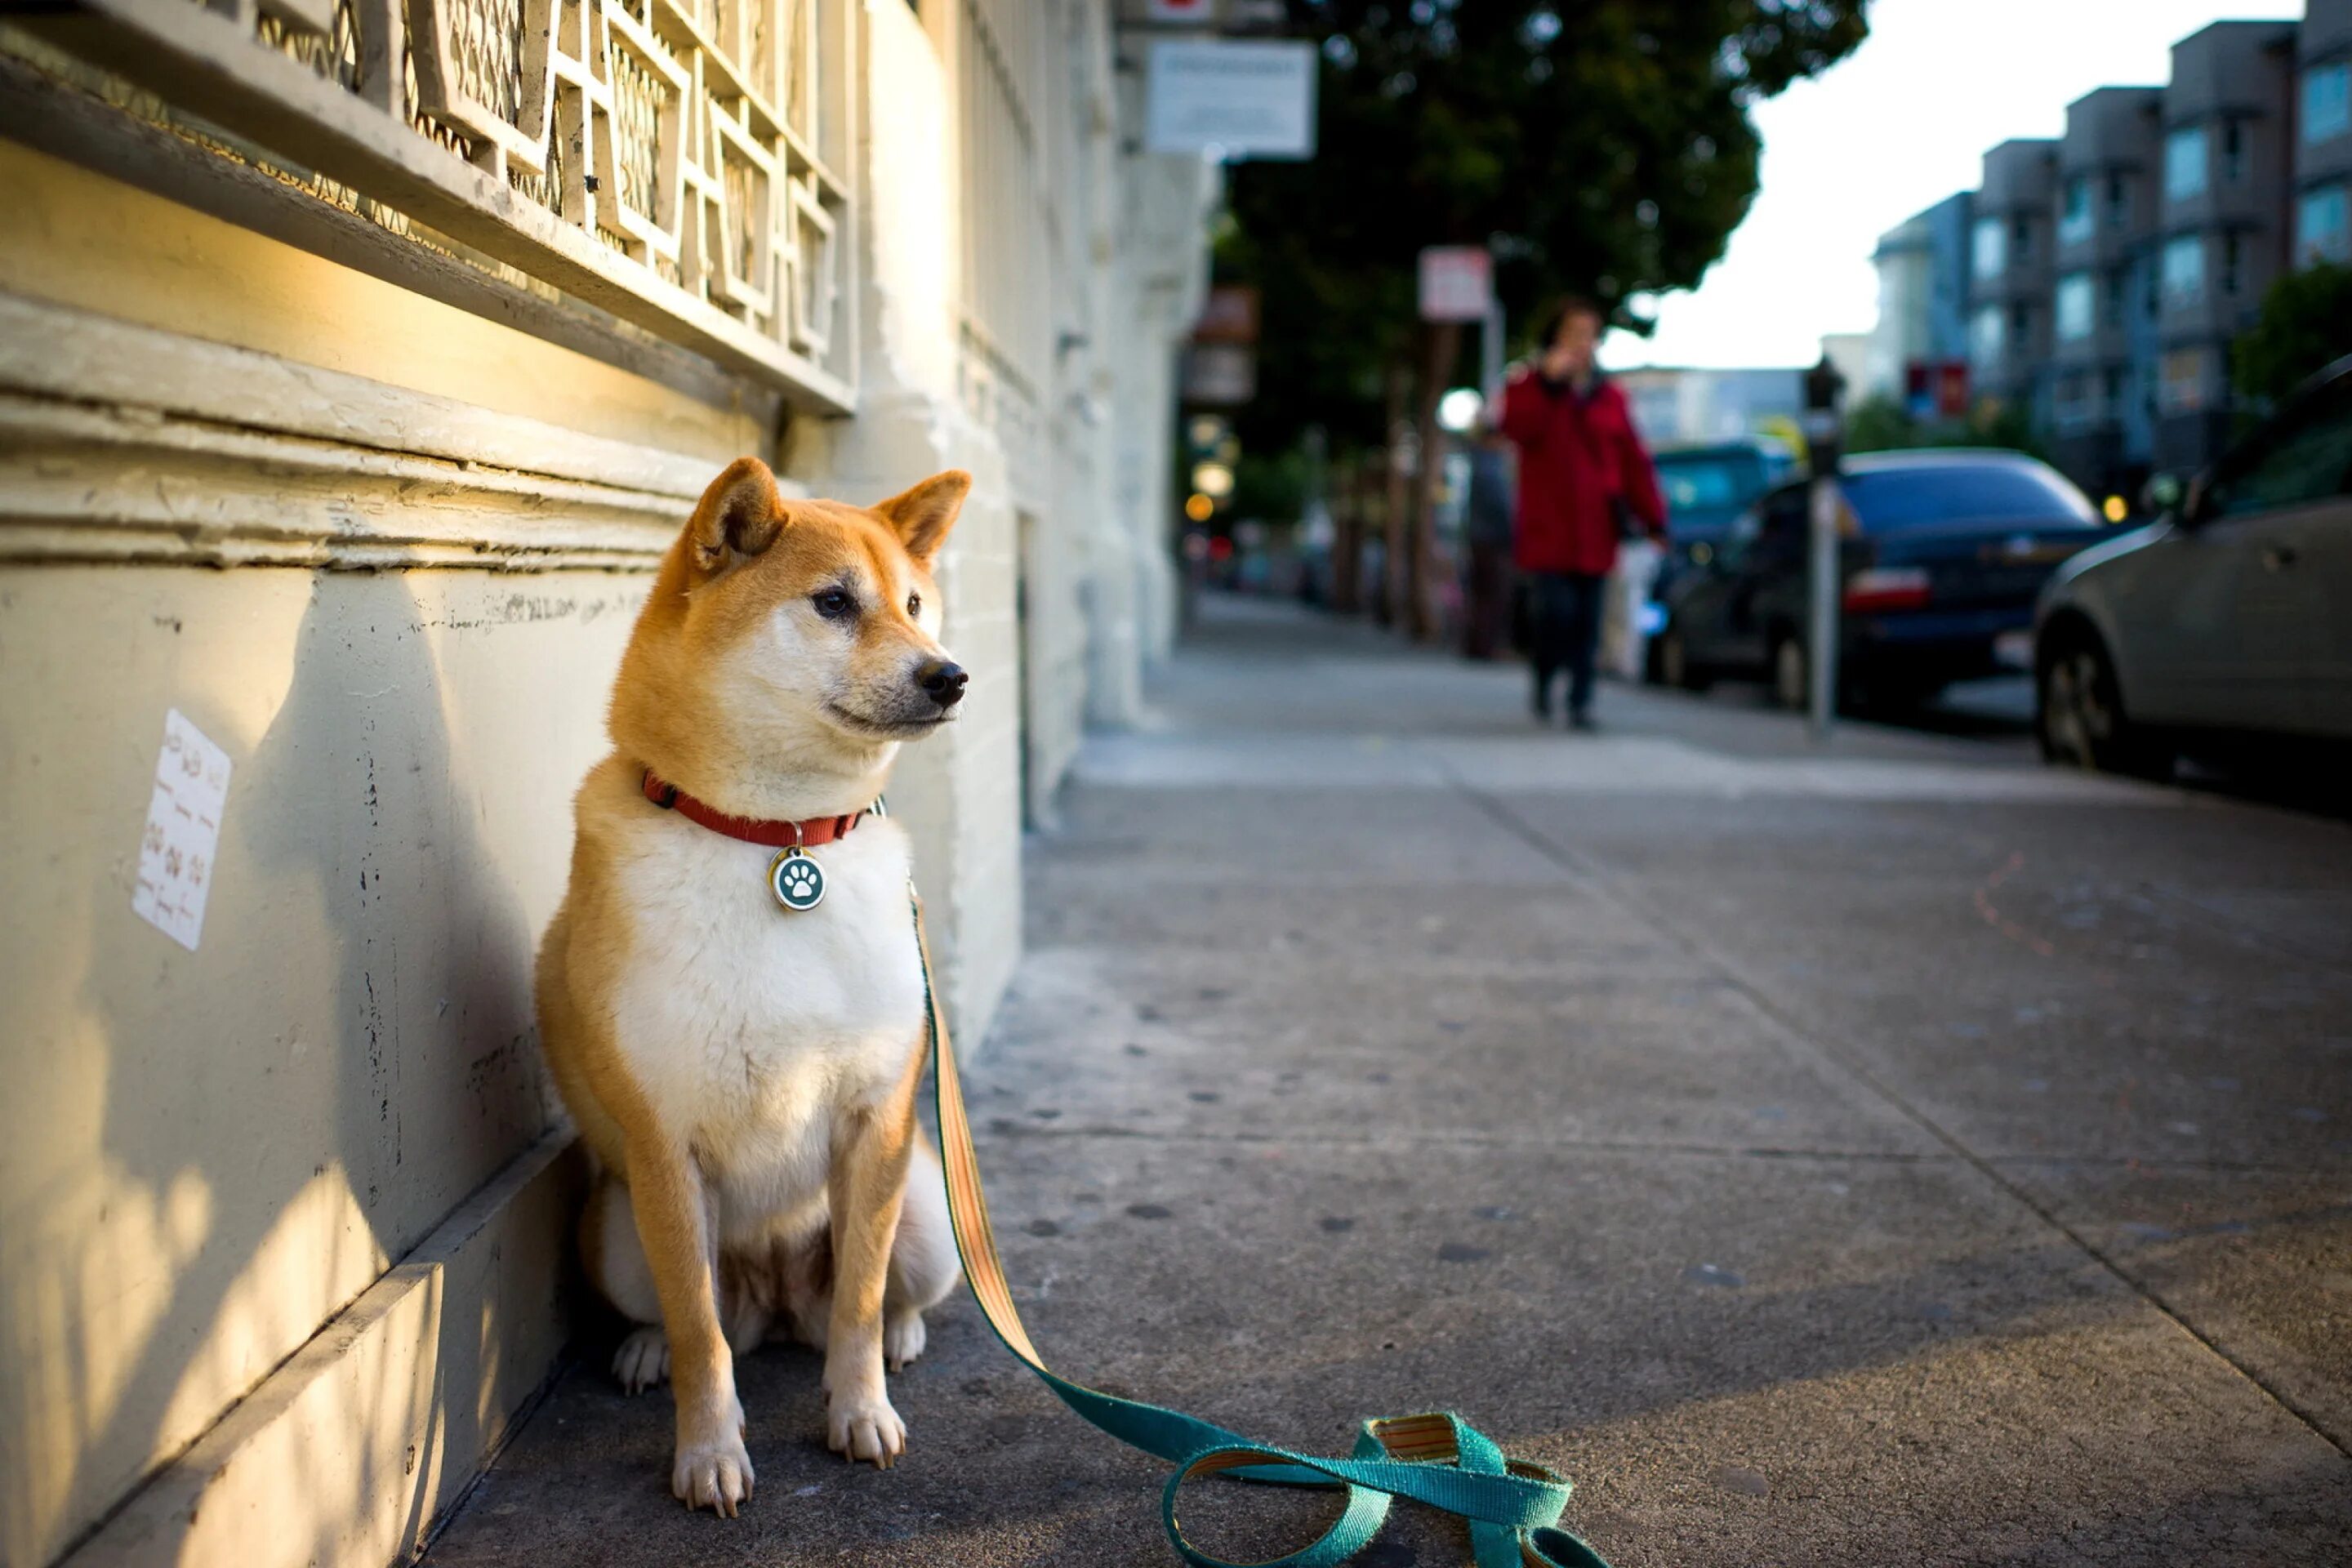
[680, 162]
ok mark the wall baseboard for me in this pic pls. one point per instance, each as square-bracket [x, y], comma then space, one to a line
[349, 1453]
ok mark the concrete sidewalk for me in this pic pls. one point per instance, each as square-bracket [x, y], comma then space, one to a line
[1898, 1154]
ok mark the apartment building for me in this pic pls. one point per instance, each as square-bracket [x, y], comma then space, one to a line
[2010, 244]
[2170, 212]
[2220, 228]
[359, 359]
[2323, 134]
[2102, 421]
[1922, 330]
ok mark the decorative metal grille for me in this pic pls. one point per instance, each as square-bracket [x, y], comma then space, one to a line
[673, 160]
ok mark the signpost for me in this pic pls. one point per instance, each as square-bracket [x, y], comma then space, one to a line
[1457, 283]
[1232, 98]
[1825, 434]
[1221, 362]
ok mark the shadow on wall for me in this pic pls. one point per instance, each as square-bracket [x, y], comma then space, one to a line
[229, 1145]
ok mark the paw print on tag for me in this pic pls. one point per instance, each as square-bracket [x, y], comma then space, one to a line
[797, 880]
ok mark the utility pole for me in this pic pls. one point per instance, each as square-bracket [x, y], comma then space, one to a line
[1490, 360]
[1824, 436]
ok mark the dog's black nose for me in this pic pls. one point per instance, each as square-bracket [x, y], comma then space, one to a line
[943, 680]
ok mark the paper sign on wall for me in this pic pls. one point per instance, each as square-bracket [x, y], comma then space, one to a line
[183, 818]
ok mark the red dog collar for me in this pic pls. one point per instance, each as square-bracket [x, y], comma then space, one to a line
[749, 829]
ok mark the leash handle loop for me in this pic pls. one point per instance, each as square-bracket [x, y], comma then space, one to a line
[1512, 1506]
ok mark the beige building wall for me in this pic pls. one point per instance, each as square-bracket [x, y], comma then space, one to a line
[282, 1217]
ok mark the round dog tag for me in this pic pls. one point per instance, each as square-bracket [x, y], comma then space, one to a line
[796, 879]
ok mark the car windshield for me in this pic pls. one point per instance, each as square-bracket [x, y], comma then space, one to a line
[1941, 493]
[1710, 481]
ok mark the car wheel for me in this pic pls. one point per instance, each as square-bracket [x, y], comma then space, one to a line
[2079, 713]
[1792, 680]
[1675, 666]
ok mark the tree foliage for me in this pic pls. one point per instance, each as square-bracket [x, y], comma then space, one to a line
[1881, 424]
[1602, 146]
[2305, 325]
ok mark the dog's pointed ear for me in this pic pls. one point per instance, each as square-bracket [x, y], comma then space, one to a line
[921, 516]
[739, 517]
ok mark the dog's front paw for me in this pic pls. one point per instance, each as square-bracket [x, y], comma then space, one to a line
[642, 1361]
[716, 1475]
[865, 1428]
[903, 1338]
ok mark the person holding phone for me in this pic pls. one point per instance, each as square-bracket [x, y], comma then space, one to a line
[1585, 480]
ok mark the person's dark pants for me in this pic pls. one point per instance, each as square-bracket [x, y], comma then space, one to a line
[1486, 598]
[1565, 607]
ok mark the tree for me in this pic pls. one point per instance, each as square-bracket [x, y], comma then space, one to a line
[1602, 146]
[2305, 325]
[1880, 423]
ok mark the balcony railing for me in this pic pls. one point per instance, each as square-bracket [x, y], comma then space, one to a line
[677, 162]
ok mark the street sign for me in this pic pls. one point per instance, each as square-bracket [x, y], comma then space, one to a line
[1232, 98]
[1219, 374]
[1457, 283]
[1229, 315]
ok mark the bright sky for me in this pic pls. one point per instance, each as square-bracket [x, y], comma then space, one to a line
[1897, 126]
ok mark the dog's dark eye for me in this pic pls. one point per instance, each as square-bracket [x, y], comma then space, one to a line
[833, 603]
[914, 603]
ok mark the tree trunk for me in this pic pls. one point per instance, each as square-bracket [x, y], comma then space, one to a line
[1442, 345]
[1396, 512]
[1347, 536]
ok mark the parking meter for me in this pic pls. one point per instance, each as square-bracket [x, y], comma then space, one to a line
[1825, 442]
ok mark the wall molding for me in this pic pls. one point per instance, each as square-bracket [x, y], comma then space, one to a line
[729, 245]
[63, 118]
[125, 443]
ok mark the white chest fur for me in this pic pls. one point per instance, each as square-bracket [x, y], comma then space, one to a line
[752, 1027]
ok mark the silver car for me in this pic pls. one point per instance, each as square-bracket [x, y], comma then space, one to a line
[2230, 616]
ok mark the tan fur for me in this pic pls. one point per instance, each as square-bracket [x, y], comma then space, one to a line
[745, 1074]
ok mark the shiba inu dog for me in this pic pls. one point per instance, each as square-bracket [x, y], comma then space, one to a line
[730, 997]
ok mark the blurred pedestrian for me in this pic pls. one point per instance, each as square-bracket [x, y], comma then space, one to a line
[1486, 528]
[1584, 482]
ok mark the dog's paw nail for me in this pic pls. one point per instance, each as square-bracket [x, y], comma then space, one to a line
[715, 1476]
[902, 1341]
[642, 1361]
[867, 1429]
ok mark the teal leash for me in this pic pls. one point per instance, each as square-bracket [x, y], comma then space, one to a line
[1511, 1506]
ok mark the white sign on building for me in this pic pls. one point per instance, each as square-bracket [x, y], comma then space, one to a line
[1457, 282]
[1233, 99]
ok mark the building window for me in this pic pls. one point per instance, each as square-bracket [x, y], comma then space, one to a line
[2074, 398]
[2076, 224]
[2111, 390]
[2076, 306]
[2184, 272]
[2327, 100]
[2184, 164]
[2021, 240]
[1991, 247]
[2020, 323]
[2323, 228]
[1986, 335]
[2119, 202]
[2118, 291]
[2230, 264]
[2182, 389]
[2234, 152]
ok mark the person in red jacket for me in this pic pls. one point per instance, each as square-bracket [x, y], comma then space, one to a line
[1584, 480]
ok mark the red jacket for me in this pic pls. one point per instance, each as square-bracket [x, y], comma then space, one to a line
[1575, 453]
